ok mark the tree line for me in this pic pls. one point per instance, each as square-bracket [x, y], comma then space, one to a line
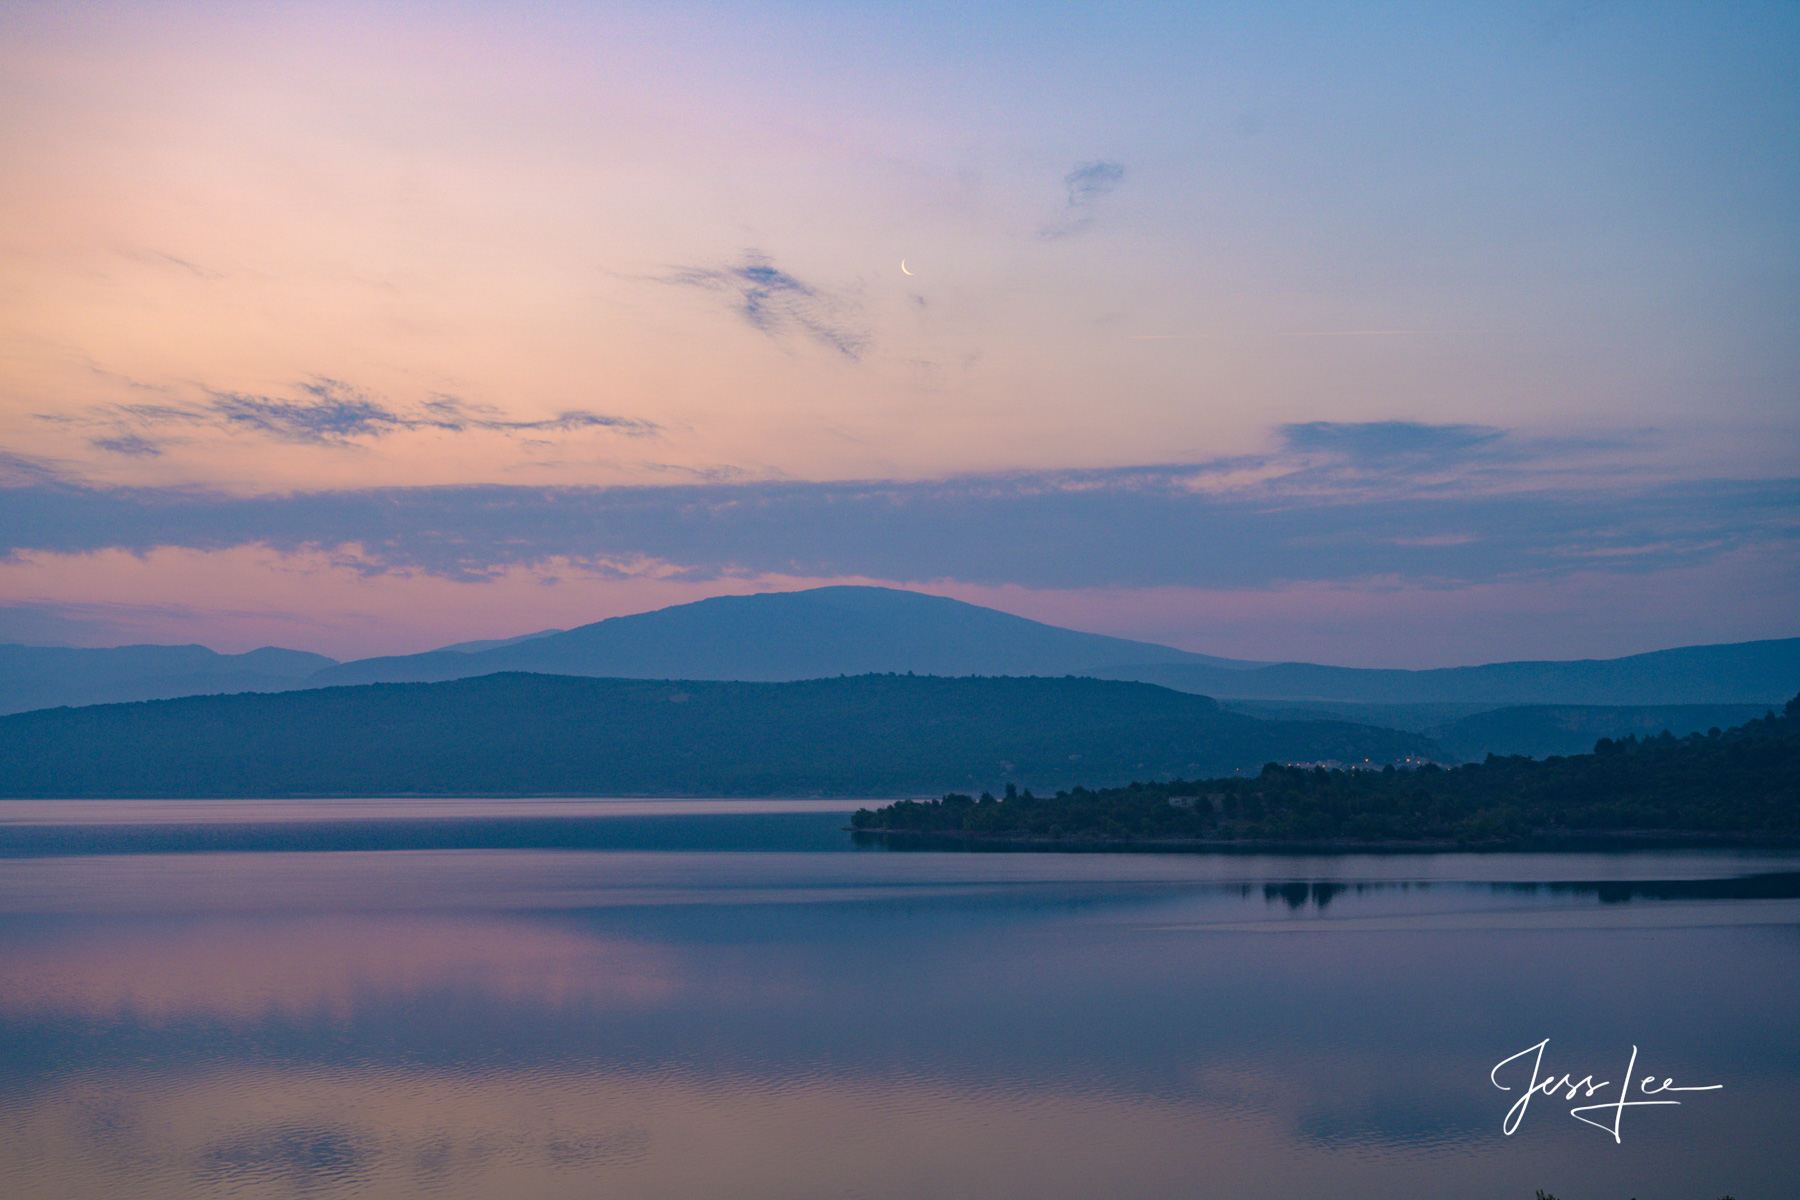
[1739, 782]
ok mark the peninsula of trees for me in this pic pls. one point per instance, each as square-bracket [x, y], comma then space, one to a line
[1740, 784]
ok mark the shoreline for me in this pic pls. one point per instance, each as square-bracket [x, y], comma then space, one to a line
[1575, 841]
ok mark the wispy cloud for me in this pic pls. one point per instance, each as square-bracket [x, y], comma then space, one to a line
[327, 412]
[1304, 513]
[1381, 442]
[1413, 457]
[775, 302]
[1085, 185]
[18, 470]
[1090, 181]
[161, 258]
[50, 623]
[130, 445]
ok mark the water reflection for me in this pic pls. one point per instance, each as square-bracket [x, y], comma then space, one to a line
[1297, 894]
[321, 969]
[690, 1023]
[1778, 885]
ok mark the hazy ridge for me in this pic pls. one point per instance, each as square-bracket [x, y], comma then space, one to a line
[870, 735]
[823, 633]
[46, 676]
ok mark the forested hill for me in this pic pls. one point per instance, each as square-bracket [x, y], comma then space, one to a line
[1740, 783]
[869, 735]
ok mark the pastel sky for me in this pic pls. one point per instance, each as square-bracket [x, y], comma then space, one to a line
[1380, 334]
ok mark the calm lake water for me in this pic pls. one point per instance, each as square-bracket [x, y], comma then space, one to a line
[728, 999]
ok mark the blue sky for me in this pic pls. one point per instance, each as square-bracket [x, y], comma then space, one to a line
[1409, 334]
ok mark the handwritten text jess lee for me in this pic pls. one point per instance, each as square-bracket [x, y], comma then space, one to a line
[1586, 1087]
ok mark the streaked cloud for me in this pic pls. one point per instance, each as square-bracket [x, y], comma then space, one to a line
[17, 469]
[1085, 185]
[773, 301]
[102, 623]
[1301, 514]
[1090, 181]
[130, 445]
[325, 412]
[1387, 441]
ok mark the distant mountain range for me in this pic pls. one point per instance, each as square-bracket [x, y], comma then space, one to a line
[47, 676]
[1470, 732]
[827, 632]
[1540, 730]
[512, 734]
[1742, 673]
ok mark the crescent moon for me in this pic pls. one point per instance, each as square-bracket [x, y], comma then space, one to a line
[903, 269]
